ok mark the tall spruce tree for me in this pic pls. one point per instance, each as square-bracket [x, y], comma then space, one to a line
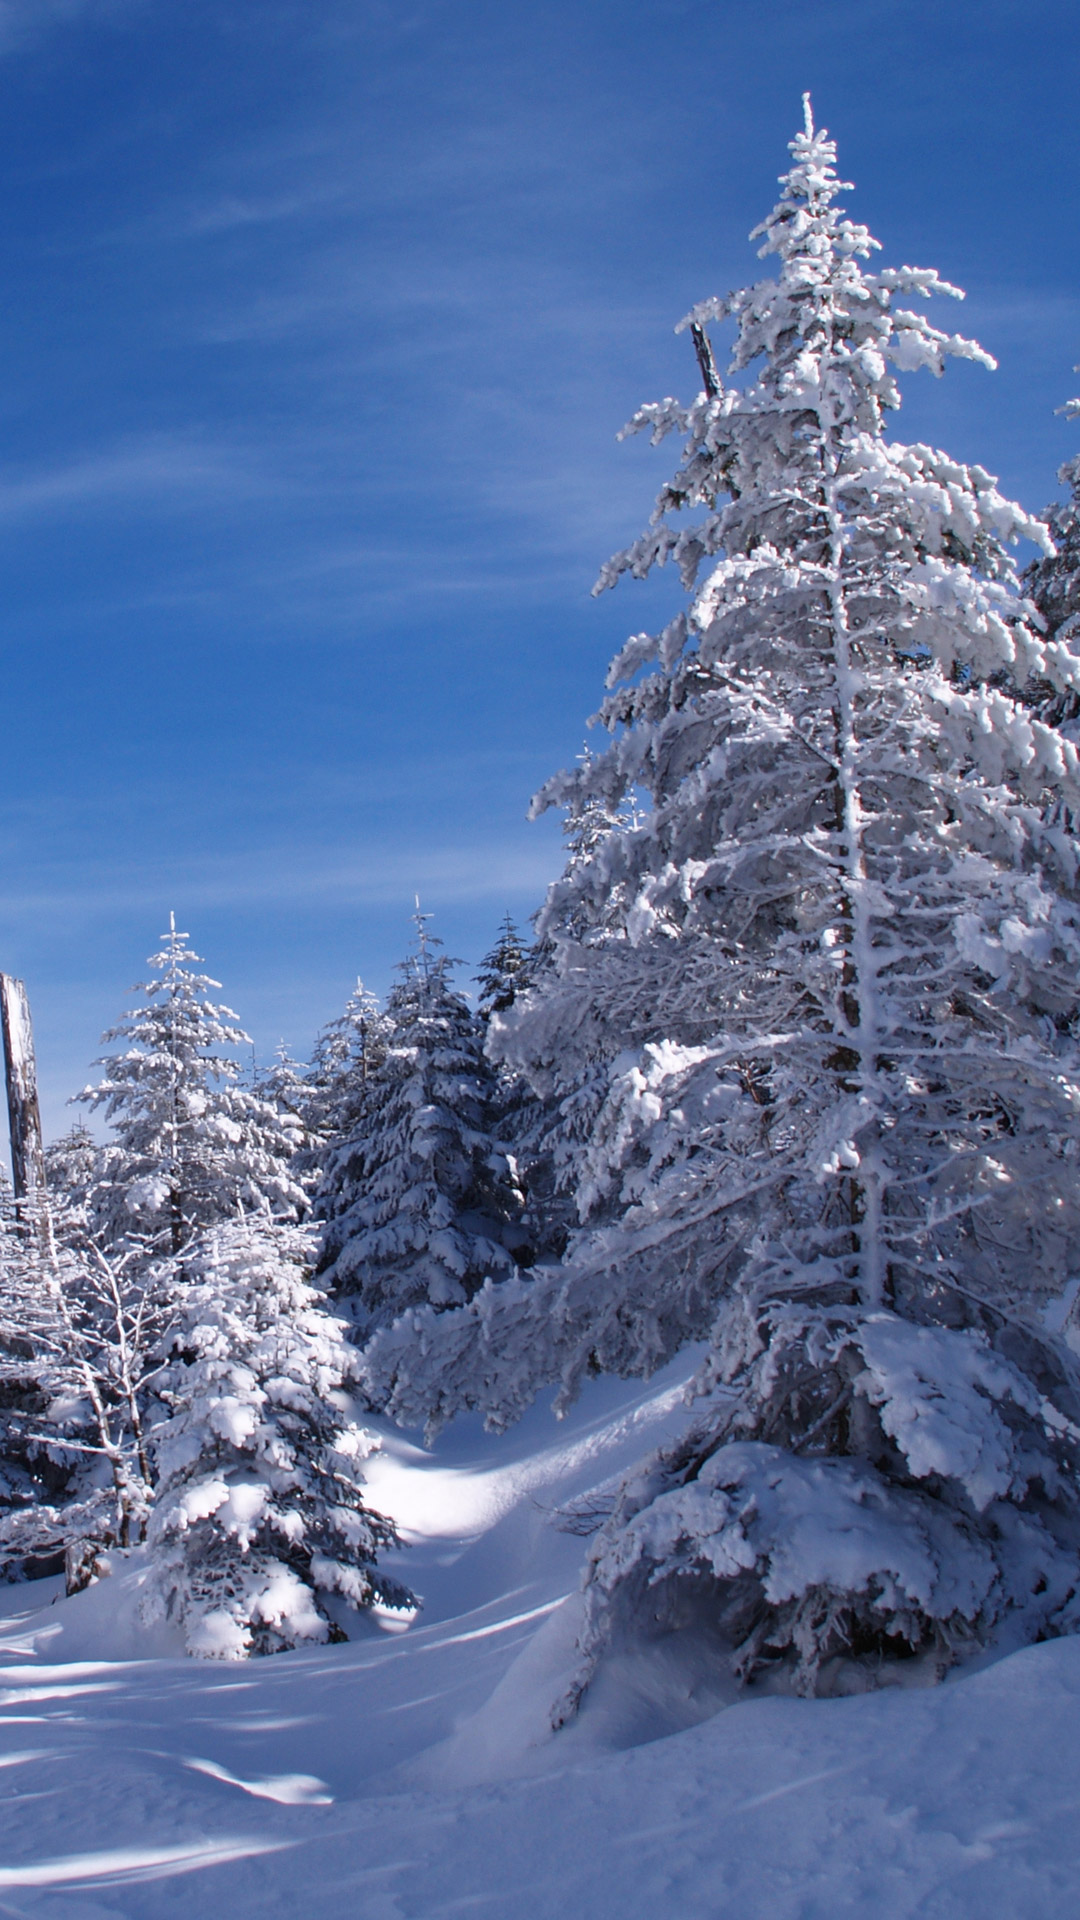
[420, 1201]
[833, 972]
[192, 1145]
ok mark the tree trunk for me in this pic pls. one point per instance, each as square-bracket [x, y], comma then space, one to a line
[24, 1117]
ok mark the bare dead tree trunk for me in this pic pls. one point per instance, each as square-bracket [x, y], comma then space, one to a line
[24, 1115]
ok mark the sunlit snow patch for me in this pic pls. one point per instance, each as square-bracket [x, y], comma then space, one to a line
[430, 1502]
[288, 1789]
[133, 1864]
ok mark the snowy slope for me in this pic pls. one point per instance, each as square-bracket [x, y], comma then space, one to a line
[383, 1781]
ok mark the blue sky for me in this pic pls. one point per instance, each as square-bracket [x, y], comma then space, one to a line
[318, 323]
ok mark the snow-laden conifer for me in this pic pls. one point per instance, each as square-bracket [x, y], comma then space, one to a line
[285, 1087]
[560, 1096]
[532, 1129]
[348, 1052]
[36, 1472]
[260, 1517]
[192, 1145]
[503, 971]
[547, 1115]
[421, 1203]
[73, 1166]
[1053, 581]
[832, 972]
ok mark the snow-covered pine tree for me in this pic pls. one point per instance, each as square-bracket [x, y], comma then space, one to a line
[260, 1516]
[285, 1087]
[545, 1115]
[347, 1053]
[1053, 582]
[73, 1166]
[192, 1145]
[421, 1203]
[531, 1131]
[36, 1473]
[503, 971]
[834, 973]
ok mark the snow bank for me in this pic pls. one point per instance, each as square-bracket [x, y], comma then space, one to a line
[409, 1776]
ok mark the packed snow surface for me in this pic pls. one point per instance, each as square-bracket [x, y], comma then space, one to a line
[410, 1773]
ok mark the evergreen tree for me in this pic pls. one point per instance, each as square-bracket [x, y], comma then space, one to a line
[503, 971]
[833, 974]
[1054, 583]
[548, 1115]
[347, 1053]
[73, 1166]
[192, 1145]
[285, 1087]
[595, 814]
[420, 1202]
[529, 1127]
[36, 1472]
[260, 1516]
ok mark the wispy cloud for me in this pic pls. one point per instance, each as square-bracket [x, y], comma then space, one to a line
[24, 21]
[235, 210]
[224, 209]
[144, 473]
[288, 876]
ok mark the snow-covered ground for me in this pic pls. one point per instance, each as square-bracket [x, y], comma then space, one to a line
[410, 1774]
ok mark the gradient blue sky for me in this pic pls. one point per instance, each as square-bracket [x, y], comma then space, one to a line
[318, 323]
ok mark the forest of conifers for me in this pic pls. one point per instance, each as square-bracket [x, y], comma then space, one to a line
[786, 1071]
